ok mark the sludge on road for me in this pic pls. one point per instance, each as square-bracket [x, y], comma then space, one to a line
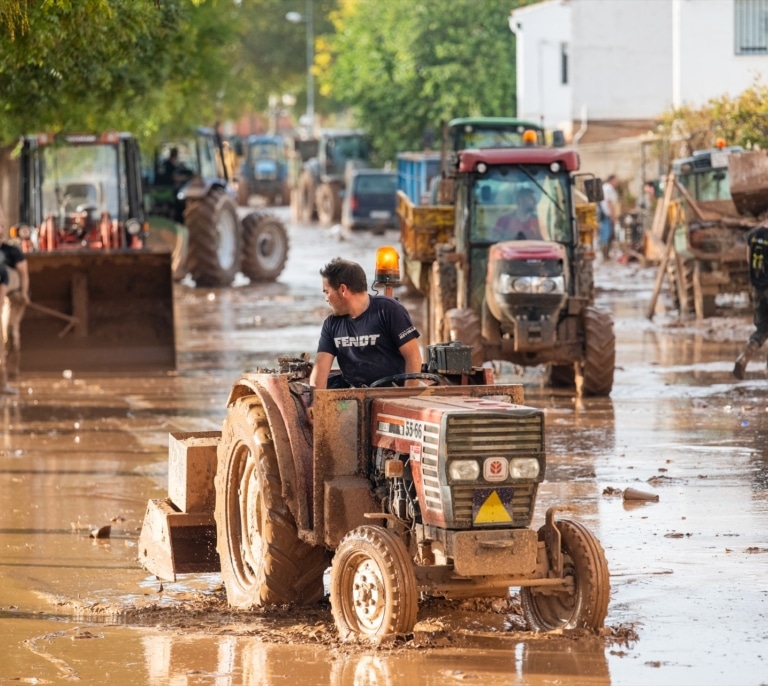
[686, 572]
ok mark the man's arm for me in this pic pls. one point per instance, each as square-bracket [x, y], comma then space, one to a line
[318, 378]
[411, 352]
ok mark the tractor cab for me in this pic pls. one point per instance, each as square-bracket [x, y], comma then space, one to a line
[516, 211]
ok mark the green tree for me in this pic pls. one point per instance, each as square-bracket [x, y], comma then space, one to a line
[406, 66]
[149, 66]
[272, 59]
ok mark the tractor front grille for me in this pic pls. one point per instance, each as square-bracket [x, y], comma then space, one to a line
[518, 434]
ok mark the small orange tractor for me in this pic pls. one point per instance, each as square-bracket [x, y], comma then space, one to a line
[402, 490]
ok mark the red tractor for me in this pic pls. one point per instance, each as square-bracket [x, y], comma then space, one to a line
[507, 266]
[402, 490]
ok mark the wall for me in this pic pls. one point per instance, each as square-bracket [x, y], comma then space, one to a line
[621, 54]
[540, 30]
[704, 52]
[629, 59]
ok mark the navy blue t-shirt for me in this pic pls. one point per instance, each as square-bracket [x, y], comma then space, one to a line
[368, 347]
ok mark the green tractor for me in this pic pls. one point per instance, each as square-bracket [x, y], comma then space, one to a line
[192, 197]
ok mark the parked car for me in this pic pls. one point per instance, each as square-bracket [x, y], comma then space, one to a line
[370, 201]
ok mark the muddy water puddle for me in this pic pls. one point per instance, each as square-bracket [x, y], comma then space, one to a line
[689, 600]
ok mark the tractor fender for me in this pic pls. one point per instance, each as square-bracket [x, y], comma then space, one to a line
[291, 435]
[198, 188]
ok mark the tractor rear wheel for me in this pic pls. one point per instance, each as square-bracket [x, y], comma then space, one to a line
[265, 246]
[328, 201]
[583, 561]
[306, 198]
[373, 585]
[600, 358]
[442, 298]
[263, 560]
[214, 239]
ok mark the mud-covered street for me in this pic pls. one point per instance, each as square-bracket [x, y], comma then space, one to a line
[689, 597]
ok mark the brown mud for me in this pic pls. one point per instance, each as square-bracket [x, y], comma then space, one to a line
[688, 596]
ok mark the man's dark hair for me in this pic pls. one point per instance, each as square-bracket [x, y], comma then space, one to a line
[340, 271]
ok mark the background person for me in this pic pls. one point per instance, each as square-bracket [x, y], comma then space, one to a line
[522, 224]
[14, 296]
[609, 214]
[757, 254]
[371, 336]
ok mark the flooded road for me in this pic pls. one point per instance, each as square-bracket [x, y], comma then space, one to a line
[689, 589]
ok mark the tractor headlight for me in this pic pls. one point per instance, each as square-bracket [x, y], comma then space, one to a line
[133, 227]
[531, 284]
[523, 468]
[464, 470]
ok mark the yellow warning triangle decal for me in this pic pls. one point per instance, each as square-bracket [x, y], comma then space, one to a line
[492, 511]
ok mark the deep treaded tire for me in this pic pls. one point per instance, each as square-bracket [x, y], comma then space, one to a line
[584, 560]
[263, 561]
[265, 246]
[213, 257]
[600, 358]
[373, 586]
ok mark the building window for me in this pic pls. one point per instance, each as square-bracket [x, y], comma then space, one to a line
[750, 27]
[564, 63]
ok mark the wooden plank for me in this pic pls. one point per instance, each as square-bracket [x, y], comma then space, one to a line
[670, 246]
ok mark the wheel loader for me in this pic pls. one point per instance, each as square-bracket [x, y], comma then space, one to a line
[101, 299]
[200, 208]
[402, 490]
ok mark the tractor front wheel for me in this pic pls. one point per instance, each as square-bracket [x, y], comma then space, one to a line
[373, 586]
[600, 357]
[584, 562]
[265, 246]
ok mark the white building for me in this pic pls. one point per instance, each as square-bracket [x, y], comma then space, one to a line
[605, 69]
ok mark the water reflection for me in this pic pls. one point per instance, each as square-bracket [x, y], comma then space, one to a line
[229, 660]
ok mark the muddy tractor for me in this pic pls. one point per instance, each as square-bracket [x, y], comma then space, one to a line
[720, 192]
[198, 203]
[404, 490]
[102, 299]
[507, 266]
[264, 170]
[321, 182]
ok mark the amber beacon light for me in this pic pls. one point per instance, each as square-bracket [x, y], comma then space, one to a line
[387, 268]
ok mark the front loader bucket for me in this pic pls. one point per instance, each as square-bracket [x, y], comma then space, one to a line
[99, 311]
[173, 542]
[749, 181]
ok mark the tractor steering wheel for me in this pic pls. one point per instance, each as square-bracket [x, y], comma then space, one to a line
[400, 379]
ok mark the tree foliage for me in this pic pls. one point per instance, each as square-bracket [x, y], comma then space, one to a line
[405, 66]
[149, 66]
[740, 120]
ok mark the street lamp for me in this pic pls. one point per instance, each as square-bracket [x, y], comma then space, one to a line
[296, 18]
